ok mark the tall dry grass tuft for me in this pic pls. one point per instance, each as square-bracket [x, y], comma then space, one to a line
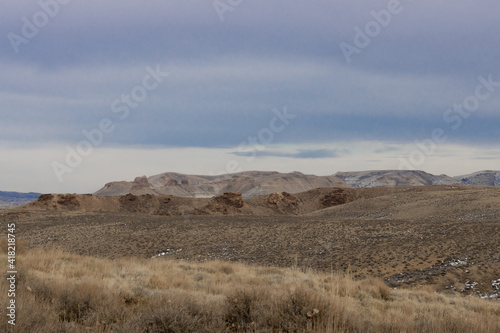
[61, 292]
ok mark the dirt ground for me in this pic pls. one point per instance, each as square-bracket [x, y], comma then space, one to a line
[448, 239]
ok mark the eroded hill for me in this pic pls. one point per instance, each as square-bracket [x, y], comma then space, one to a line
[257, 183]
[228, 203]
[249, 184]
[444, 236]
[409, 203]
[392, 178]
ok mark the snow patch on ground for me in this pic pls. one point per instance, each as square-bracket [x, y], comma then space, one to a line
[166, 252]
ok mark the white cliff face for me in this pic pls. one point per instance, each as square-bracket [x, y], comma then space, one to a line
[354, 180]
[391, 178]
[497, 179]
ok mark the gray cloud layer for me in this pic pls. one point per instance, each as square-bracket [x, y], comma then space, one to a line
[226, 77]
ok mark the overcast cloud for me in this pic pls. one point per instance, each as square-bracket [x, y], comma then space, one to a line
[67, 66]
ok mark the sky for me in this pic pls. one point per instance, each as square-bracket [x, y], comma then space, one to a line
[99, 91]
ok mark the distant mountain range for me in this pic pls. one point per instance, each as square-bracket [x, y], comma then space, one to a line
[249, 184]
[391, 178]
[255, 183]
[13, 199]
[487, 178]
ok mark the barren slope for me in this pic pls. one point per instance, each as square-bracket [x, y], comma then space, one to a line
[228, 203]
[445, 236]
[422, 202]
[391, 178]
[249, 184]
[408, 203]
[485, 178]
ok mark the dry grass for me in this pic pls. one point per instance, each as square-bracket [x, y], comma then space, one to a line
[61, 292]
[371, 247]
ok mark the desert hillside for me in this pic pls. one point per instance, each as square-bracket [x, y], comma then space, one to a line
[249, 184]
[410, 203]
[391, 178]
[256, 183]
[440, 238]
[228, 203]
[422, 202]
[486, 178]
